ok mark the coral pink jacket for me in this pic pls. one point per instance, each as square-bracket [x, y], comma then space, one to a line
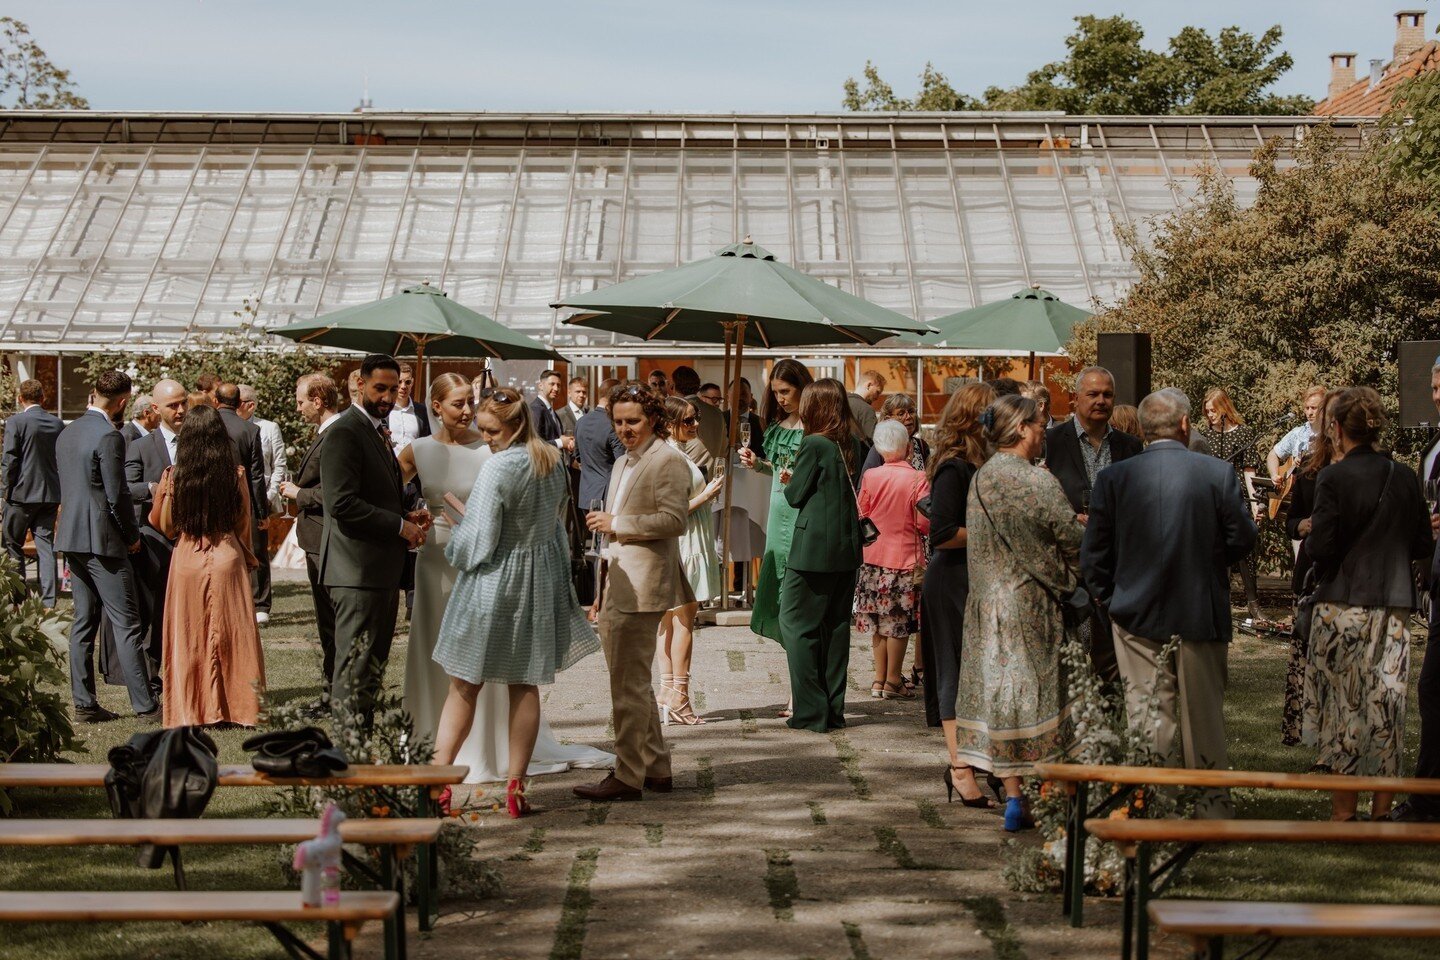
[888, 494]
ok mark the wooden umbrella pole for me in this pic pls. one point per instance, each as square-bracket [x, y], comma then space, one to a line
[732, 434]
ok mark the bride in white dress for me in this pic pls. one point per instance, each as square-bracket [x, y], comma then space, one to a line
[448, 461]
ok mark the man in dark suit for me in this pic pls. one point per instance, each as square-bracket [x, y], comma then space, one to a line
[316, 398]
[1075, 452]
[1162, 531]
[145, 463]
[144, 418]
[246, 437]
[31, 485]
[366, 534]
[597, 447]
[542, 411]
[576, 405]
[97, 534]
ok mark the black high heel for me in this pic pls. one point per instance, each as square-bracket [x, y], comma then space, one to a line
[981, 802]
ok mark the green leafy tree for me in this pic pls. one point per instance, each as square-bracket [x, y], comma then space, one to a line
[28, 80]
[1108, 70]
[1411, 129]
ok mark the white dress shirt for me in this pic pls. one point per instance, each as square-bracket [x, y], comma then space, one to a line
[140, 427]
[169, 436]
[404, 426]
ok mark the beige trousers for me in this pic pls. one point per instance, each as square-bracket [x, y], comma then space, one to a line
[1190, 728]
[628, 640]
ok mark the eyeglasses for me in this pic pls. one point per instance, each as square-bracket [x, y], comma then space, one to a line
[499, 394]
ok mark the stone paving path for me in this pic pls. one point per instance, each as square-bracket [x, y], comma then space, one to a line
[775, 843]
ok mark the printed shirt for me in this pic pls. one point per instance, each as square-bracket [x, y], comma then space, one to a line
[1295, 443]
[1096, 458]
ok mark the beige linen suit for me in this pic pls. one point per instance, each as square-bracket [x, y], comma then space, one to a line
[644, 579]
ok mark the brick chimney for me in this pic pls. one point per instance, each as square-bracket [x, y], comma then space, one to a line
[1342, 73]
[1409, 32]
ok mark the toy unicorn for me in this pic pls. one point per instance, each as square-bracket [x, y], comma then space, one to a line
[318, 861]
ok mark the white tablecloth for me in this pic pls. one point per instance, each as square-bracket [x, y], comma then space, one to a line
[749, 512]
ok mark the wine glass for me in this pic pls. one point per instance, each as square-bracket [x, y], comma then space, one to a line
[421, 506]
[745, 432]
[595, 506]
[718, 470]
[1432, 493]
[1085, 500]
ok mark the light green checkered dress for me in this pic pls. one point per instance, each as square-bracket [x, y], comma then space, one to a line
[512, 615]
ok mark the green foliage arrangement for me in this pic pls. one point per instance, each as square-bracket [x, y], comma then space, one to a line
[1108, 70]
[245, 354]
[34, 717]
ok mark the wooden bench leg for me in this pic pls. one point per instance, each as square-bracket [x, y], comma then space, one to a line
[427, 867]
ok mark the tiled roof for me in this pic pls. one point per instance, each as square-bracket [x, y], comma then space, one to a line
[1363, 100]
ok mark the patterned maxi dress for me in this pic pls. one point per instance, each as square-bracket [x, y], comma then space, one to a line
[512, 616]
[780, 446]
[1012, 708]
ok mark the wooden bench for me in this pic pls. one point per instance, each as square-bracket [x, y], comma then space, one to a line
[1076, 778]
[1136, 839]
[270, 909]
[1208, 922]
[394, 837]
[427, 781]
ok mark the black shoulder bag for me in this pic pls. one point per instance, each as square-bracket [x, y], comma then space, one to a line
[1075, 607]
[1305, 606]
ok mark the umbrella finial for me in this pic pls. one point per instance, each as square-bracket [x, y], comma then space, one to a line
[1034, 286]
[747, 240]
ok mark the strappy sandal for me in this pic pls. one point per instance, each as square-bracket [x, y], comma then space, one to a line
[900, 692]
[680, 710]
[952, 786]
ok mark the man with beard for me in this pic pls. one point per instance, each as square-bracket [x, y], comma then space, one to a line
[367, 531]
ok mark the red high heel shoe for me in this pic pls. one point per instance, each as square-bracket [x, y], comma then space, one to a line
[515, 803]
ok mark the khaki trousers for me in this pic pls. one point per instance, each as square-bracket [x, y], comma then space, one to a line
[1191, 699]
[628, 640]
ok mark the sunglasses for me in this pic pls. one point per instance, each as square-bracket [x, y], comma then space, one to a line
[689, 421]
[635, 392]
[500, 395]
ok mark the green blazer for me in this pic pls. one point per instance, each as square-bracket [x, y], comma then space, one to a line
[827, 529]
[364, 503]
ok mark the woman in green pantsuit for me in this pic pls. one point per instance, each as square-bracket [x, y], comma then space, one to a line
[818, 591]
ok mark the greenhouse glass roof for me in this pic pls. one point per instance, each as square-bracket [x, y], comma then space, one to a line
[149, 230]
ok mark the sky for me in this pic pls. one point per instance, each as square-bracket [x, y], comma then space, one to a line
[780, 56]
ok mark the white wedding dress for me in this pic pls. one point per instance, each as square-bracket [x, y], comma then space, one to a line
[451, 468]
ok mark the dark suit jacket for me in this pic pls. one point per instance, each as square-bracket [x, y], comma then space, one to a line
[598, 448]
[131, 433]
[1435, 559]
[757, 434]
[363, 502]
[246, 437]
[1064, 459]
[1164, 527]
[567, 419]
[827, 528]
[96, 515]
[547, 425]
[27, 466]
[1359, 564]
[310, 524]
[145, 462]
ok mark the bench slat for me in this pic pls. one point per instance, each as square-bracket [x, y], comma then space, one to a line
[240, 775]
[276, 906]
[1226, 918]
[1259, 831]
[1181, 777]
[60, 833]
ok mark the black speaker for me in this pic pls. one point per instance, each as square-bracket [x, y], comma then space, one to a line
[1127, 356]
[1417, 357]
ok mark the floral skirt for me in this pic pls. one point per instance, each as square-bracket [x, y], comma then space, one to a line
[1292, 716]
[887, 602]
[1355, 688]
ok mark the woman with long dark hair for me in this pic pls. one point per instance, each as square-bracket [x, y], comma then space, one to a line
[819, 589]
[783, 432]
[213, 665]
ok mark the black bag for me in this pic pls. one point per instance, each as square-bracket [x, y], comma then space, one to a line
[162, 774]
[1076, 607]
[306, 753]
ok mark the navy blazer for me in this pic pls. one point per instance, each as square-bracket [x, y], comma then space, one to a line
[1164, 527]
[27, 465]
[96, 514]
[145, 462]
[1435, 555]
[598, 448]
[1064, 459]
[246, 437]
[547, 424]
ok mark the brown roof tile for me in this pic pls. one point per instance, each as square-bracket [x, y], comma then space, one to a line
[1363, 100]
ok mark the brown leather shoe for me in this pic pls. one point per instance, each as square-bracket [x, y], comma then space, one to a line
[608, 790]
[660, 784]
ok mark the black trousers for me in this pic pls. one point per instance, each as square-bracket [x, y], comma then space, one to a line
[105, 587]
[1427, 763]
[324, 619]
[260, 576]
[364, 630]
[37, 519]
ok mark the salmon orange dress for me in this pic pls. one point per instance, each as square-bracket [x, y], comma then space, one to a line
[213, 665]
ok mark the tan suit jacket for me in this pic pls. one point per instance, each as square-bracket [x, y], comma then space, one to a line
[644, 572]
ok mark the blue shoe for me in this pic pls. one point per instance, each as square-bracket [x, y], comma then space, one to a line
[1015, 818]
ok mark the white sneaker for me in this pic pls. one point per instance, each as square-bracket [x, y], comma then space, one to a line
[262, 617]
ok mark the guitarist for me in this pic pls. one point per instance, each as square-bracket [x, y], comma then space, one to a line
[1285, 456]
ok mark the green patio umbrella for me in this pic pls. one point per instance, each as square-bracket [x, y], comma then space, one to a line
[420, 320]
[739, 293]
[1032, 321]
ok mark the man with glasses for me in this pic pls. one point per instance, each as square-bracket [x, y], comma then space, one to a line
[711, 394]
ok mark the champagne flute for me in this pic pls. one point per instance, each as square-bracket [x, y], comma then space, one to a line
[421, 506]
[1085, 501]
[745, 432]
[1432, 493]
[718, 470]
[595, 506]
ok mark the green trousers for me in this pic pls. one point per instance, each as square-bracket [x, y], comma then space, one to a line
[815, 630]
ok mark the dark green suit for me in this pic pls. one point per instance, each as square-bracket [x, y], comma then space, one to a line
[818, 592]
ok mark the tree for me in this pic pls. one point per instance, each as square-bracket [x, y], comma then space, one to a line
[1108, 70]
[28, 80]
[1411, 128]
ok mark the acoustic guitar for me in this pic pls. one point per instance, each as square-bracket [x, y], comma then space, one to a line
[1284, 485]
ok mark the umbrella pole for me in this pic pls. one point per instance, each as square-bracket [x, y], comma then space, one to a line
[735, 414]
[1032, 364]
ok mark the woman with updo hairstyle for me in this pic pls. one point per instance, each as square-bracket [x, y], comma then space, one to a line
[512, 617]
[1023, 545]
[960, 450]
[1368, 524]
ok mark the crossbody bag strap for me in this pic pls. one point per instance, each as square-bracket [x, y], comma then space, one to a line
[980, 499]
